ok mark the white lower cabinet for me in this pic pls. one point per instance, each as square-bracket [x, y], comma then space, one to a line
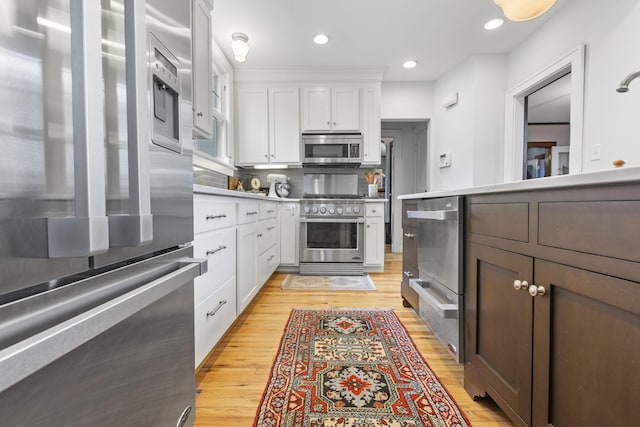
[247, 251]
[213, 316]
[219, 248]
[289, 233]
[240, 238]
[374, 236]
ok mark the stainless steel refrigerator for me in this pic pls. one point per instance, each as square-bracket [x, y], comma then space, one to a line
[96, 275]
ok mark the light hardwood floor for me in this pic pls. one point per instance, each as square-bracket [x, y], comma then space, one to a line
[235, 374]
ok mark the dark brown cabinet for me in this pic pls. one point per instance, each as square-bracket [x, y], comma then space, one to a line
[553, 304]
[409, 254]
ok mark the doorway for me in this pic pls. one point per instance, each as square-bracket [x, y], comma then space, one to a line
[408, 162]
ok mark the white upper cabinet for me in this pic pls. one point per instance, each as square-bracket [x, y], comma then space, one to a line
[331, 109]
[268, 125]
[202, 60]
[253, 126]
[284, 125]
[371, 126]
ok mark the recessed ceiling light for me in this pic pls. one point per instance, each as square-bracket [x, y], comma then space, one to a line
[321, 39]
[411, 63]
[492, 24]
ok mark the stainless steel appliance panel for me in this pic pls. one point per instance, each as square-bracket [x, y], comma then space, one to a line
[330, 185]
[440, 241]
[170, 172]
[330, 149]
[114, 349]
[37, 133]
[332, 240]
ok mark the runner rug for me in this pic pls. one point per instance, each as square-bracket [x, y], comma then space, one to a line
[352, 368]
[329, 283]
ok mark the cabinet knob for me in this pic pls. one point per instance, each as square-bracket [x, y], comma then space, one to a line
[520, 285]
[328, 123]
[534, 290]
[200, 114]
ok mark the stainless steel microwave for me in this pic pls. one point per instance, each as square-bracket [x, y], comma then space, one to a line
[329, 149]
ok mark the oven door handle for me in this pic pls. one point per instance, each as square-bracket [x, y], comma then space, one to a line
[333, 220]
[434, 215]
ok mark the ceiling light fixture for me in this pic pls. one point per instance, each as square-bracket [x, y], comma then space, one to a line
[523, 10]
[321, 39]
[492, 24]
[239, 46]
[411, 63]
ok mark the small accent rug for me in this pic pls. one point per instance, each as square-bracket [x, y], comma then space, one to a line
[331, 283]
[353, 368]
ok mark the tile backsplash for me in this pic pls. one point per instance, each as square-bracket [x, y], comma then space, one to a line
[296, 176]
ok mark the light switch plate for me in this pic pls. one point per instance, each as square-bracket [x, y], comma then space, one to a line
[445, 160]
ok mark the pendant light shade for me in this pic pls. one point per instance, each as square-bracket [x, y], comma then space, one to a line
[239, 46]
[523, 10]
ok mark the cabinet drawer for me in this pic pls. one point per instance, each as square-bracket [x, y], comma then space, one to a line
[503, 220]
[607, 228]
[267, 234]
[219, 248]
[267, 210]
[374, 209]
[248, 212]
[212, 213]
[213, 317]
[267, 264]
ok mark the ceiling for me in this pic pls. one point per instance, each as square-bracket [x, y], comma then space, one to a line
[368, 34]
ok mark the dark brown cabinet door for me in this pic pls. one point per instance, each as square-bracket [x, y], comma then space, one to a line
[498, 327]
[586, 348]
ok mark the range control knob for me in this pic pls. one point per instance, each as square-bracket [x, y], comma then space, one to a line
[314, 209]
[306, 209]
[339, 210]
[356, 209]
[323, 210]
[332, 211]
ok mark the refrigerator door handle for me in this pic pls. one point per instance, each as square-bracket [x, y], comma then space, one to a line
[24, 358]
[86, 233]
[136, 228]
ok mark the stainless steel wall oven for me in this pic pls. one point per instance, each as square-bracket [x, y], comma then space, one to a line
[331, 225]
[331, 237]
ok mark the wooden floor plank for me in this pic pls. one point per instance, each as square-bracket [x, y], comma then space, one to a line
[233, 377]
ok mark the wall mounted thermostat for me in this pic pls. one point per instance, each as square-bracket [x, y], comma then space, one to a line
[445, 160]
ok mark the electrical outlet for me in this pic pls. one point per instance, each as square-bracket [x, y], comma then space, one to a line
[596, 151]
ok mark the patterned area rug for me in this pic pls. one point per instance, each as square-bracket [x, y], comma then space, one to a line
[353, 368]
[333, 283]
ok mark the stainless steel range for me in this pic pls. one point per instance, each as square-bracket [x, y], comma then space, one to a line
[331, 226]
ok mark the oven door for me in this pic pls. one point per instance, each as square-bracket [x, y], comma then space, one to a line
[335, 240]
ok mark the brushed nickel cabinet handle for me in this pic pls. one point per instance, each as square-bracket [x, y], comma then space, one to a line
[409, 235]
[213, 251]
[216, 216]
[535, 291]
[215, 310]
[520, 285]
[408, 274]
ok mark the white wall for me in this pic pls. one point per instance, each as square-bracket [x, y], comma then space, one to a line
[611, 33]
[472, 131]
[406, 100]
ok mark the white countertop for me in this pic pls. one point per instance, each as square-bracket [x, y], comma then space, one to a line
[205, 189]
[625, 174]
